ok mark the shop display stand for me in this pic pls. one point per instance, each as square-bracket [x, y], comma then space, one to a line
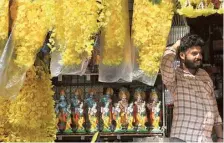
[93, 81]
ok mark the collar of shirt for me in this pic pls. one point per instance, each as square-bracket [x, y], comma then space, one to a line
[188, 74]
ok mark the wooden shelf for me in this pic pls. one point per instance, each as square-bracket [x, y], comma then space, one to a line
[113, 136]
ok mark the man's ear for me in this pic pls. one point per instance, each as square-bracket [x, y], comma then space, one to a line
[182, 55]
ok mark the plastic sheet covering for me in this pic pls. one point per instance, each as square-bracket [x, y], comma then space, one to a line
[110, 68]
[58, 68]
[139, 74]
[11, 76]
[74, 28]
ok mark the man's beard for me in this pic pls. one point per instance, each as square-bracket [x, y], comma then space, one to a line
[193, 64]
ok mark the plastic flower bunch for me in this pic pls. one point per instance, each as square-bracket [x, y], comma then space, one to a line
[4, 23]
[76, 24]
[31, 22]
[4, 124]
[221, 7]
[32, 113]
[115, 32]
[195, 8]
[151, 26]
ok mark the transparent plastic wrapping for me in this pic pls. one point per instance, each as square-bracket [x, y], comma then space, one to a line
[150, 29]
[115, 49]
[11, 76]
[2, 45]
[139, 74]
[75, 26]
[58, 68]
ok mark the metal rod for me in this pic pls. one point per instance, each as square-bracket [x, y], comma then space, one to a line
[163, 100]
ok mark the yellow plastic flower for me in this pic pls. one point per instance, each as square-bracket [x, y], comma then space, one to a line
[189, 12]
[32, 21]
[31, 114]
[76, 24]
[4, 124]
[115, 33]
[221, 8]
[4, 23]
[151, 26]
[202, 8]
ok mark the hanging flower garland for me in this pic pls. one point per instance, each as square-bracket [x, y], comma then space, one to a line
[4, 23]
[151, 26]
[76, 24]
[4, 124]
[31, 114]
[195, 8]
[221, 7]
[115, 32]
[32, 20]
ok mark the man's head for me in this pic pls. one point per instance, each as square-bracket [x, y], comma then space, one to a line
[190, 51]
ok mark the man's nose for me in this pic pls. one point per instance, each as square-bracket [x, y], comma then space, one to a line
[199, 56]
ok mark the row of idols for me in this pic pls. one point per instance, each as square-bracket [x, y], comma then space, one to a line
[89, 115]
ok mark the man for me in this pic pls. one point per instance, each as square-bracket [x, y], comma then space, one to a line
[195, 110]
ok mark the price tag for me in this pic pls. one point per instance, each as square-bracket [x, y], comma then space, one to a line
[82, 138]
[88, 77]
[105, 139]
[118, 137]
[59, 77]
[59, 138]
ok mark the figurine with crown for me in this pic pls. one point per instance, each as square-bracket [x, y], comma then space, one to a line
[77, 111]
[62, 110]
[130, 118]
[106, 111]
[140, 116]
[154, 108]
[120, 111]
[92, 113]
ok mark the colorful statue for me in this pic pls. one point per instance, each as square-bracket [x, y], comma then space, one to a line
[130, 117]
[92, 114]
[62, 110]
[140, 116]
[106, 110]
[154, 108]
[77, 115]
[120, 111]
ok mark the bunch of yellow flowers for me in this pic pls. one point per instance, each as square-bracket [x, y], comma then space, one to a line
[76, 24]
[31, 22]
[195, 8]
[4, 23]
[151, 26]
[116, 31]
[31, 114]
[4, 122]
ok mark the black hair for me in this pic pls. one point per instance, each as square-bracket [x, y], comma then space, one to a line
[190, 40]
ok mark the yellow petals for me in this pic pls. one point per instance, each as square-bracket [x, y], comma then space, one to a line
[4, 23]
[195, 8]
[31, 115]
[76, 24]
[32, 20]
[151, 26]
[115, 32]
[4, 124]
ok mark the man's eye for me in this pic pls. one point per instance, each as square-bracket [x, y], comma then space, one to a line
[195, 53]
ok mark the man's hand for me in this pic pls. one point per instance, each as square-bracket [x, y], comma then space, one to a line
[219, 133]
[220, 140]
[176, 45]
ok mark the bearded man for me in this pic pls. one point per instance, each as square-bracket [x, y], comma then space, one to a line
[195, 110]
